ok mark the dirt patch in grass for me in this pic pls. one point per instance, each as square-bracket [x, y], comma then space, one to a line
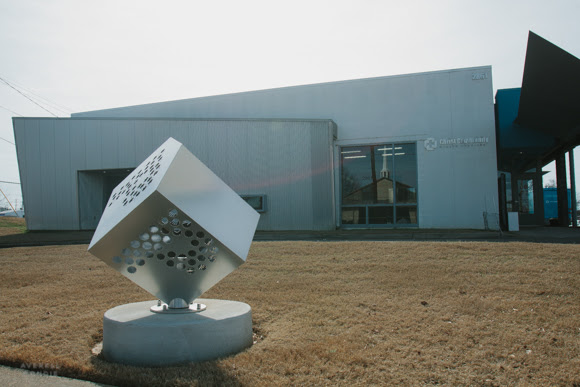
[12, 225]
[338, 313]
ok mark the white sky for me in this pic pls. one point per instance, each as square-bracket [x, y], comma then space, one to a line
[87, 55]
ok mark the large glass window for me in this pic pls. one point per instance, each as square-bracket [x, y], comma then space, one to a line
[379, 184]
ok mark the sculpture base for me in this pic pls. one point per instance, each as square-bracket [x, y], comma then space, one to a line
[134, 335]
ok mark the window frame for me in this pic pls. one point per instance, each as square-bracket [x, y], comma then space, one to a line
[263, 199]
[393, 205]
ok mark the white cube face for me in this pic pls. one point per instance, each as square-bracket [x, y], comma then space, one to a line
[162, 246]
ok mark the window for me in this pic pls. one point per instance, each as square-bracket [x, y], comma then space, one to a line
[379, 184]
[257, 202]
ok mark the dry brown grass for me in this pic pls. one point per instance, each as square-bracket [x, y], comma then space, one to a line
[348, 313]
[12, 225]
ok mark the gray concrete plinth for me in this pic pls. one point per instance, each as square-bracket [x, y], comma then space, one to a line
[134, 335]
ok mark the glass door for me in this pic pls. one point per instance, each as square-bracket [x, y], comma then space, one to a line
[379, 185]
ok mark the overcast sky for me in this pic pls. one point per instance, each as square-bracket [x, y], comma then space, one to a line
[81, 55]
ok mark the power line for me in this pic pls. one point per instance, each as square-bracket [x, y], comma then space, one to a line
[9, 142]
[11, 111]
[9, 182]
[28, 98]
[46, 101]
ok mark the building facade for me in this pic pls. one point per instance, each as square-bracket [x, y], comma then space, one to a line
[414, 150]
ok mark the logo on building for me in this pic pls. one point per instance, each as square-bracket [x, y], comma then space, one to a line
[430, 144]
[463, 141]
[455, 142]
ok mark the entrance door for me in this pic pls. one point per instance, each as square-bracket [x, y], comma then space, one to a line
[95, 188]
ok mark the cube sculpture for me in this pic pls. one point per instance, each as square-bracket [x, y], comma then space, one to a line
[174, 228]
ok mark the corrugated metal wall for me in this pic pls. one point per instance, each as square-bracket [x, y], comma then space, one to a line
[456, 184]
[290, 161]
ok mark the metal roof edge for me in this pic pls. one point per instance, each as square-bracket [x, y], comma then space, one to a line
[175, 119]
[369, 79]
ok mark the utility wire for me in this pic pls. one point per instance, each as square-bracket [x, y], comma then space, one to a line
[46, 101]
[9, 202]
[28, 98]
[9, 142]
[9, 182]
[11, 111]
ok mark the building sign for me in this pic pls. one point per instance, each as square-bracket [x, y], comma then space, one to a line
[455, 142]
[430, 144]
[478, 76]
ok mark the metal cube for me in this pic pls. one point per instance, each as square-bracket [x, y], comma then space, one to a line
[173, 227]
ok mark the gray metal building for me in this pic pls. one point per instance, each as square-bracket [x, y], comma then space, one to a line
[402, 151]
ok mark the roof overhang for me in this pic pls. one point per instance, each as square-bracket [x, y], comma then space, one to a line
[548, 110]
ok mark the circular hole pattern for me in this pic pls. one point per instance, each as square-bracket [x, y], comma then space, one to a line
[149, 244]
[117, 259]
[131, 269]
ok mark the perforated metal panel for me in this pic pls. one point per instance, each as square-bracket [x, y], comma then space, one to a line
[173, 227]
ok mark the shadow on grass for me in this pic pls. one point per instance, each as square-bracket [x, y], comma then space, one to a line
[208, 373]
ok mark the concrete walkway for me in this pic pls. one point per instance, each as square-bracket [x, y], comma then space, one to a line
[526, 234]
[17, 377]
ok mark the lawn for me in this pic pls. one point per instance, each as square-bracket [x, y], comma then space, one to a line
[325, 313]
[12, 225]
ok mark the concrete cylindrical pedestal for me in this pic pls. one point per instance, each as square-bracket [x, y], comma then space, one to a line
[132, 334]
